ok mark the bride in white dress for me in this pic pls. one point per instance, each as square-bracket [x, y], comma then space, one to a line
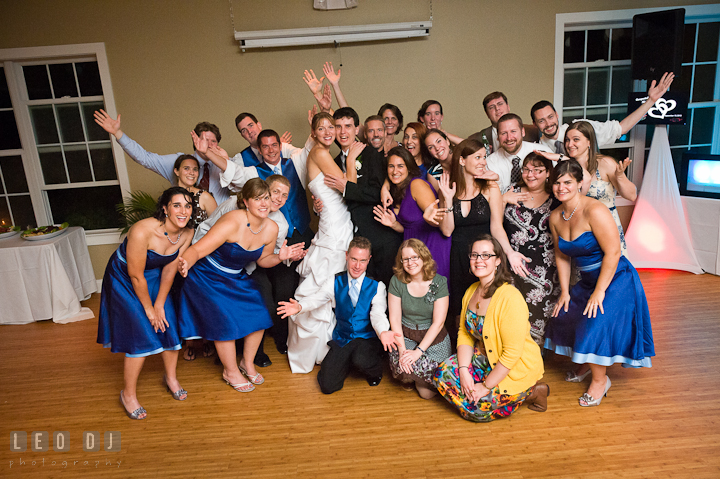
[311, 328]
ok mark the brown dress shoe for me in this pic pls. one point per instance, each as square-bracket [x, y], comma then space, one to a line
[537, 401]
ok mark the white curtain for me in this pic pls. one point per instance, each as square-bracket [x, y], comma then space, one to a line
[658, 236]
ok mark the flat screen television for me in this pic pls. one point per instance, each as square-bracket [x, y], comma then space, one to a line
[700, 175]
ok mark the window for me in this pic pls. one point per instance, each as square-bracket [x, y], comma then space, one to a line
[593, 79]
[56, 164]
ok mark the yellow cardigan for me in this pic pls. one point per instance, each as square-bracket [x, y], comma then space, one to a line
[506, 335]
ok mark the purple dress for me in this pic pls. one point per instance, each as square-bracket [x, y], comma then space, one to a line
[410, 217]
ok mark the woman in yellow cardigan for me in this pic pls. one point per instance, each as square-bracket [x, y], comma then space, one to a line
[497, 365]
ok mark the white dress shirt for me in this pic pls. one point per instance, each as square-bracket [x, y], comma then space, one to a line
[605, 132]
[501, 161]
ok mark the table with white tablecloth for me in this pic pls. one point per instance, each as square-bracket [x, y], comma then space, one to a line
[45, 279]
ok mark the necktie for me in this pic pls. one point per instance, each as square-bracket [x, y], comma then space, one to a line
[354, 292]
[276, 170]
[559, 147]
[205, 180]
[343, 165]
[515, 174]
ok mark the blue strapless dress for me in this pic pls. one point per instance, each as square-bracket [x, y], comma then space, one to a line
[123, 325]
[622, 334]
[219, 301]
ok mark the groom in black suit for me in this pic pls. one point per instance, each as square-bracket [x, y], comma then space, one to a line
[362, 196]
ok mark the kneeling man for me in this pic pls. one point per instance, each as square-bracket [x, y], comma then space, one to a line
[362, 329]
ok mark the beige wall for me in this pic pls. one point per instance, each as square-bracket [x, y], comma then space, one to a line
[174, 63]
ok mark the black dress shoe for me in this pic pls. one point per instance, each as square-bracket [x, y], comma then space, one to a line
[262, 360]
[374, 381]
[282, 348]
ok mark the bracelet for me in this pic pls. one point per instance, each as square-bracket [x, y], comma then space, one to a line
[421, 349]
[488, 387]
[562, 157]
[449, 210]
[466, 367]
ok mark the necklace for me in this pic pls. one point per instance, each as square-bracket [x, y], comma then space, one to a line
[253, 232]
[171, 241]
[571, 214]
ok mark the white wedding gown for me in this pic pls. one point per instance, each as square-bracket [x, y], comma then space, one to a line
[311, 329]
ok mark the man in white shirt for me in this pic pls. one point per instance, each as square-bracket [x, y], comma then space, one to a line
[362, 329]
[507, 160]
[496, 106]
[553, 134]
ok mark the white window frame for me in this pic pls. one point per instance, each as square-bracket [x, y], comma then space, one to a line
[616, 19]
[30, 158]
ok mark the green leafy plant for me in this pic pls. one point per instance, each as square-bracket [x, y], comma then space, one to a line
[139, 206]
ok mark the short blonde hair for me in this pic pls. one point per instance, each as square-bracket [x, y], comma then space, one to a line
[429, 264]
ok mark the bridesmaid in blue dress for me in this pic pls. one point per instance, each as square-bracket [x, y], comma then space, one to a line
[219, 301]
[135, 317]
[604, 319]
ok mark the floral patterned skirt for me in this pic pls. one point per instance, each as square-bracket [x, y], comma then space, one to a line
[423, 369]
[489, 408]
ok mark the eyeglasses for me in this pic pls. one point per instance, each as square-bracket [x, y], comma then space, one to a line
[530, 171]
[482, 256]
[411, 259]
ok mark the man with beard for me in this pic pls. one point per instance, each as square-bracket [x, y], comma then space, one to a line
[496, 105]
[507, 160]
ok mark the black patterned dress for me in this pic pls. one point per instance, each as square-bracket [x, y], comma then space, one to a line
[467, 228]
[528, 232]
[200, 215]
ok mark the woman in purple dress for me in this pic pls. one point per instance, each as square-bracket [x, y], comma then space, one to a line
[414, 211]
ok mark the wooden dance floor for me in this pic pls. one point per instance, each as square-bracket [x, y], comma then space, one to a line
[659, 422]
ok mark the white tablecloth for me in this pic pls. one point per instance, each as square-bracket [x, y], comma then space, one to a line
[703, 218]
[45, 279]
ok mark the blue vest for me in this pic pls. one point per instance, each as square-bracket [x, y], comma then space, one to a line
[249, 157]
[296, 208]
[353, 322]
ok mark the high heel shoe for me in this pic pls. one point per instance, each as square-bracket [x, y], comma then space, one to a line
[572, 376]
[537, 401]
[177, 395]
[136, 413]
[588, 400]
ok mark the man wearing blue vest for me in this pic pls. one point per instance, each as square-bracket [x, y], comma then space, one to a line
[362, 329]
[249, 127]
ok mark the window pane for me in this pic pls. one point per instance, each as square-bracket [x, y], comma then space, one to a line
[621, 84]
[574, 94]
[597, 89]
[649, 133]
[597, 45]
[94, 132]
[53, 167]
[597, 114]
[704, 84]
[91, 208]
[5, 219]
[4, 92]
[22, 211]
[569, 115]
[621, 44]
[679, 134]
[13, 174]
[618, 113]
[618, 154]
[77, 163]
[38, 84]
[103, 162]
[707, 48]
[703, 124]
[677, 154]
[89, 78]
[70, 124]
[689, 43]
[43, 120]
[9, 138]
[574, 47]
[63, 80]
[682, 83]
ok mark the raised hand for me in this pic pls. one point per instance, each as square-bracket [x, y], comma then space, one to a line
[311, 114]
[622, 166]
[325, 101]
[447, 191]
[201, 144]
[330, 74]
[288, 308]
[313, 83]
[385, 216]
[286, 137]
[108, 124]
[487, 174]
[658, 89]
[219, 151]
[432, 214]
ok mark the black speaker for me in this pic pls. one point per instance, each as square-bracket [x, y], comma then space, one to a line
[657, 44]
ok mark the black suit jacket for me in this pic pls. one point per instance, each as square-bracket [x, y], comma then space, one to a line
[363, 196]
